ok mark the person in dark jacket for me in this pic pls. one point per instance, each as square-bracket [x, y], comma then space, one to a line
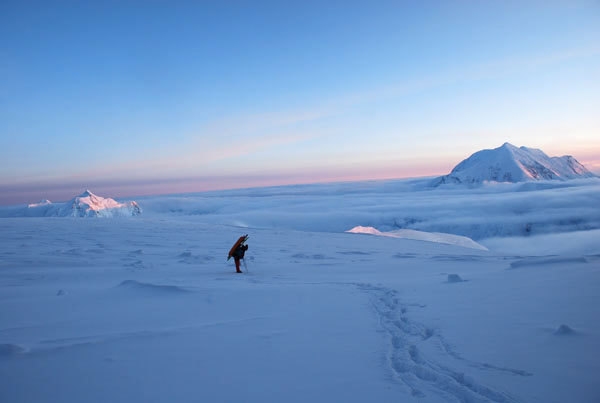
[238, 254]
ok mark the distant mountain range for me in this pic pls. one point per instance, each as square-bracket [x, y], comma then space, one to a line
[86, 204]
[508, 163]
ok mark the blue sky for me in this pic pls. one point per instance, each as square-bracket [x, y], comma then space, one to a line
[130, 98]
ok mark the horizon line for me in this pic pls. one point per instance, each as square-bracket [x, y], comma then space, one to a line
[171, 186]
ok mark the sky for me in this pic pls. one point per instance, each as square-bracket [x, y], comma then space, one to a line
[134, 98]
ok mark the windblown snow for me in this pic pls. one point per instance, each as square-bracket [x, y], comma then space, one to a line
[421, 236]
[148, 309]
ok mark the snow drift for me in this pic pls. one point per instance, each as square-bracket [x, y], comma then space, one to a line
[150, 310]
[437, 237]
[511, 164]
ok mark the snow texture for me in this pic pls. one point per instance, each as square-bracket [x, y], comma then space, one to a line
[86, 204]
[420, 235]
[148, 309]
[511, 164]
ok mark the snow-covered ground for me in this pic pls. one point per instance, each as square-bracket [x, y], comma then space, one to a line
[147, 309]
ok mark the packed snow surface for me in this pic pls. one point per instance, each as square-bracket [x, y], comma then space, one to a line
[147, 308]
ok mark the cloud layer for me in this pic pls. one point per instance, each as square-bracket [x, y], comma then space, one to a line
[500, 210]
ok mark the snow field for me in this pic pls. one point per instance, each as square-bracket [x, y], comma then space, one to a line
[180, 327]
[148, 309]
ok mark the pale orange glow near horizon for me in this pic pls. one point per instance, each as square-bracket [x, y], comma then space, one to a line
[56, 189]
[185, 114]
[63, 191]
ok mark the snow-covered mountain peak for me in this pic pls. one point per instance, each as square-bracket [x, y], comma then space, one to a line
[509, 163]
[87, 204]
[87, 193]
[93, 202]
[508, 146]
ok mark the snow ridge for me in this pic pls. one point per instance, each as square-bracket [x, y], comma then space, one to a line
[437, 237]
[508, 163]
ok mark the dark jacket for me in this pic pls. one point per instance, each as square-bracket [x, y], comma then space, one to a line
[239, 252]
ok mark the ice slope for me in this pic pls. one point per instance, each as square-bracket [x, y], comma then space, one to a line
[511, 164]
[149, 310]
